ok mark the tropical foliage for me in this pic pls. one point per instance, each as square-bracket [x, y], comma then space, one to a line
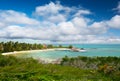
[28, 69]
[107, 66]
[16, 46]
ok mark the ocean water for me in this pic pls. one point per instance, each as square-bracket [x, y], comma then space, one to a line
[92, 50]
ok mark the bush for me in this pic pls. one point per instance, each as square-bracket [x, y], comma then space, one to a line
[70, 46]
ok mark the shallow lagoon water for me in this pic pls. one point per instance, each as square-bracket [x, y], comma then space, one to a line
[93, 50]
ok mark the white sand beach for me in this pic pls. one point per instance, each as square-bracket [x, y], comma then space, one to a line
[42, 60]
[29, 51]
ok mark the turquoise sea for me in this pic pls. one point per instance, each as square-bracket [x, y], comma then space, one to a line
[93, 50]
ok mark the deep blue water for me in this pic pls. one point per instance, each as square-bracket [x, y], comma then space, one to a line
[93, 50]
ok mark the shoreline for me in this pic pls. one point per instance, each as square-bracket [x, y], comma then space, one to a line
[29, 51]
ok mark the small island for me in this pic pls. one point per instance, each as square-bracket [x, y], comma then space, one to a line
[78, 50]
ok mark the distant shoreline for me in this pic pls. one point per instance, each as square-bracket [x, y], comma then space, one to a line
[29, 51]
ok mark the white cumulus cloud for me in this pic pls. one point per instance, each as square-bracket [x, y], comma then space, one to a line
[114, 22]
[14, 17]
[56, 23]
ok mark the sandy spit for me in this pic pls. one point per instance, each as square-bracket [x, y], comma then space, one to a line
[29, 51]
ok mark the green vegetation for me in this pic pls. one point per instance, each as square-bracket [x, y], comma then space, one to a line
[16, 46]
[50, 46]
[107, 66]
[19, 69]
[70, 46]
[60, 46]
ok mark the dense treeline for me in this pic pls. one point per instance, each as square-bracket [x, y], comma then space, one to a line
[108, 66]
[28, 69]
[16, 46]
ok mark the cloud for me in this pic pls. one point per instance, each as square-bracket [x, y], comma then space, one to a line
[56, 23]
[67, 28]
[79, 22]
[2, 24]
[114, 22]
[52, 12]
[117, 8]
[82, 12]
[14, 17]
[2, 34]
[51, 9]
[56, 13]
[57, 18]
[98, 27]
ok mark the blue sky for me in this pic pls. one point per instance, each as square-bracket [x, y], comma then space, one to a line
[60, 21]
